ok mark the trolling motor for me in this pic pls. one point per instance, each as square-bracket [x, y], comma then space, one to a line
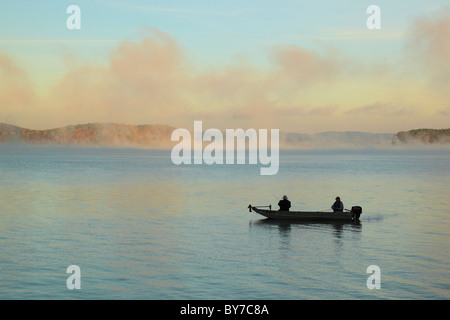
[356, 212]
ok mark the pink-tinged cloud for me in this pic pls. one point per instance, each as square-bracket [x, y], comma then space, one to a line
[326, 111]
[444, 112]
[152, 81]
[141, 83]
[16, 92]
[429, 43]
[379, 108]
[306, 67]
[233, 85]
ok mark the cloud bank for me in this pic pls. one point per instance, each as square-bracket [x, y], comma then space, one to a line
[299, 90]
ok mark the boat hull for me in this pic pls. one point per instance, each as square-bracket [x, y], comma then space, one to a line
[305, 215]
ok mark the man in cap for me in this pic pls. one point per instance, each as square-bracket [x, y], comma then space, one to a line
[338, 205]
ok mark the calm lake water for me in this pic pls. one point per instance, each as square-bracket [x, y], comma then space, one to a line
[140, 227]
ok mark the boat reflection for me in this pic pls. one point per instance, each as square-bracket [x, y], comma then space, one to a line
[285, 226]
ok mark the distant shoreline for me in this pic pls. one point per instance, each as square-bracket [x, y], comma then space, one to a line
[159, 137]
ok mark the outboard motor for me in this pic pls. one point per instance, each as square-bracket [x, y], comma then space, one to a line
[356, 212]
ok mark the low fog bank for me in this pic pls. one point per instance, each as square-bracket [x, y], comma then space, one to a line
[159, 137]
[335, 140]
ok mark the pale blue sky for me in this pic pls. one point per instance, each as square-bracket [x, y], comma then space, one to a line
[218, 28]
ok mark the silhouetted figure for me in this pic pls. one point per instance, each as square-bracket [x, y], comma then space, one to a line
[284, 204]
[338, 205]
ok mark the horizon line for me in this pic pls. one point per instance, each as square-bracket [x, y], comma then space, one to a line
[168, 125]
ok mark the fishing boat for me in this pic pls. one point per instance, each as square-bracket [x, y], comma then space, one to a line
[348, 215]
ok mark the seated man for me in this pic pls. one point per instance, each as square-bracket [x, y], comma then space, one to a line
[284, 204]
[338, 205]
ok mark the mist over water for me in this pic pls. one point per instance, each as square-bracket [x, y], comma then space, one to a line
[140, 227]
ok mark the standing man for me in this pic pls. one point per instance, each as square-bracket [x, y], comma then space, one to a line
[338, 205]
